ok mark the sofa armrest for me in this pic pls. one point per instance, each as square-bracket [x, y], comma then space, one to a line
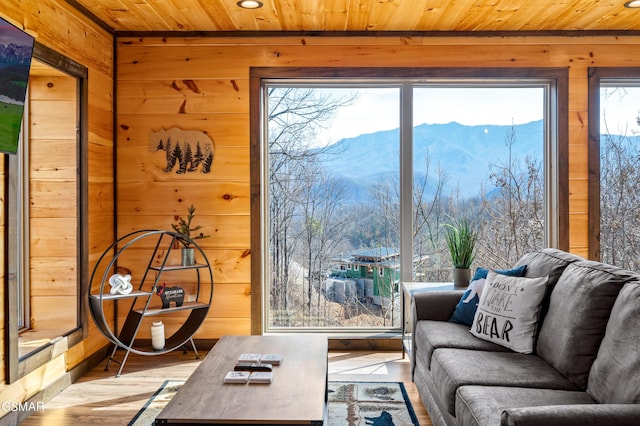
[435, 305]
[573, 415]
[431, 305]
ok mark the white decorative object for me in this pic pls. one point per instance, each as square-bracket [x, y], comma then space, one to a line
[157, 335]
[120, 284]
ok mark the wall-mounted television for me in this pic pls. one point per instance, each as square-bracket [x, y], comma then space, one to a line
[16, 50]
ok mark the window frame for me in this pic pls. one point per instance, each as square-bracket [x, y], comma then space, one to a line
[16, 366]
[596, 76]
[18, 185]
[555, 157]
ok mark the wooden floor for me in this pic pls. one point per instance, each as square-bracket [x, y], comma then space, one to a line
[99, 398]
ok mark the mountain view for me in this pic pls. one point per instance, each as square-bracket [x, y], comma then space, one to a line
[463, 153]
[14, 72]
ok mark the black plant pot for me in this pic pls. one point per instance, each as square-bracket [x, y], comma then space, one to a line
[461, 277]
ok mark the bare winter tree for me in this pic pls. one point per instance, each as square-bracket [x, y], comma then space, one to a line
[429, 215]
[386, 198]
[323, 227]
[619, 180]
[619, 200]
[295, 116]
[512, 222]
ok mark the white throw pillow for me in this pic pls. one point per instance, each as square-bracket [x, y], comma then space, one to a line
[508, 311]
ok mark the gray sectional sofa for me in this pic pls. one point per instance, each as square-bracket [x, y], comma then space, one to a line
[584, 369]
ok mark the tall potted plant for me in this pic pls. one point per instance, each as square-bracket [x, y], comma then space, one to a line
[184, 229]
[461, 241]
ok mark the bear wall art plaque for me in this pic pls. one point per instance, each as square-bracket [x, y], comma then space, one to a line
[185, 150]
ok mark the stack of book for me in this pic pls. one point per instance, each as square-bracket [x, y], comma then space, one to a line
[261, 377]
[237, 377]
[253, 368]
[273, 359]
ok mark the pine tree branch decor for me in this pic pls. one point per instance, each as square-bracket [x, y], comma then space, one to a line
[186, 230]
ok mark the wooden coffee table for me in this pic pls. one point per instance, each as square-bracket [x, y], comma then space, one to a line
[297, 395]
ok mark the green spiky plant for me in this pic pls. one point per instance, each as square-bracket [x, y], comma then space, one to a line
[183, 227]
[461, 241]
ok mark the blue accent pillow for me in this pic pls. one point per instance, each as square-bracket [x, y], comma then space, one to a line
[466, 307]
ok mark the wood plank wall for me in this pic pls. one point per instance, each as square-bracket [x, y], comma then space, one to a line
[202, 84]
[53, 203]
[58, 26]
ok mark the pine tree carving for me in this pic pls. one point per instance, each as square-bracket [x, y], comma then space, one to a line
[171, 159]
[188, 158]
[198, 156]
[177, 155]
[184, 158]
[206, 165]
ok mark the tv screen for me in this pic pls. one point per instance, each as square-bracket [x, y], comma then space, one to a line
[16, 49]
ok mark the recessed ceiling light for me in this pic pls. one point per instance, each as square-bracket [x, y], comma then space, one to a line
[250, 4]
[632, 4]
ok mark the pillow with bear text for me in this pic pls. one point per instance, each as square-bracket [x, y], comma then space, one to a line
[508, 311]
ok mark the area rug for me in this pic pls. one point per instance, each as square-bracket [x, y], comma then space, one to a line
[350, 404]
[155, 404]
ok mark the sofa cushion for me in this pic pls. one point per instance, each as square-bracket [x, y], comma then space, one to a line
[547, 262]
[453, 368]
[508, 311]
[466, 307]
[483, 405]
[615, 374]
[430, 335]
[578, 313]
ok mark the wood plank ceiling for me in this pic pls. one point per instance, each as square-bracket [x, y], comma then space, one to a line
[363, 15]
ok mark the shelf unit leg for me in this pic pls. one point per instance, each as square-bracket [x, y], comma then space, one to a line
[193, 345]
[124, 360]
[113, 353]
[112, 357]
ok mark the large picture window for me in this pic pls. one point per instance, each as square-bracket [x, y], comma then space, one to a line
[361, 175]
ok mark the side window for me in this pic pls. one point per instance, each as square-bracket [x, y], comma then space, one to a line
[46, 241]
[615, 155]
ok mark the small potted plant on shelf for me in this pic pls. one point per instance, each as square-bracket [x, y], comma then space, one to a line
[187, 235]
[461, 241]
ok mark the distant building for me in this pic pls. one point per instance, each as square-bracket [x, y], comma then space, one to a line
[371, 274]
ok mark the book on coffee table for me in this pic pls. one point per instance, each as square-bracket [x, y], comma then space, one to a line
[261, 377]
[273, 359]
[237, 377]
[249, 358]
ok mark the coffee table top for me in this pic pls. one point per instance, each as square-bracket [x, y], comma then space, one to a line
[296, 396]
